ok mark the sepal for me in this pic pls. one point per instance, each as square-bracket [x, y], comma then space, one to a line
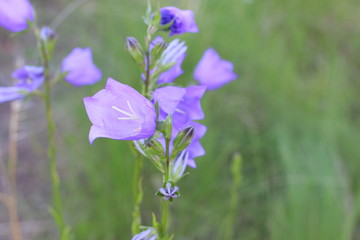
[152, 153]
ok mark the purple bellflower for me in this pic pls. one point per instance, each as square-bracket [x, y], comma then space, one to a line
[14, 14]
[148, 234]
[30, 78]
[182, 20]
[120, 112]
[184, 106]
[80, 68]
[169, 192]
[212, 71]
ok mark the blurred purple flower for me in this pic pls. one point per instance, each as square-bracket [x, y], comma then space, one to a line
[169, 192]
[120, 112]
[80, 67]
[30, 78]
[212, 71]
[183, 20]
[14, 14]
[148, 234]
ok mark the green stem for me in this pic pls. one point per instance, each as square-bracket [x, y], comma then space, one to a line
[165, 204]
[56, 209]
[164, 219]
[138, 195]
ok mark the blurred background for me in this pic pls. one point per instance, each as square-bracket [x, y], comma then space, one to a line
[293, 114]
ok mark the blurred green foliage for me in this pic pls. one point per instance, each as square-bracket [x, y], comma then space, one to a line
[293, 114]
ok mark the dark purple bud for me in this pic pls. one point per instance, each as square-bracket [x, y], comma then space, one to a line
[183, 139]
[134, 48]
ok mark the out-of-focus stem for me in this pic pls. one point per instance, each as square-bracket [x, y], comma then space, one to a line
[12, 163]
[57, 205]
[138, 195]
[229, 222]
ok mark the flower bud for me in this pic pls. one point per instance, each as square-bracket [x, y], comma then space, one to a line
[158, 49]
[183, 139]
[168, 127]
[134, 47]
[152, 152]
[178, 166]
[47, 34]
[155, 148]
[48, 37]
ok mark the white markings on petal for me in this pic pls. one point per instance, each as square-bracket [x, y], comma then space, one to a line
[129, 115]
[180, 111]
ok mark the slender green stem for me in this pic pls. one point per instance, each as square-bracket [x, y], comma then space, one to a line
[165, 204]
[56, 209]
[167, 163]
[164, 219]
[138, 195]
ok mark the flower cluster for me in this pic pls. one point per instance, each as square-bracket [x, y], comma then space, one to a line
[120, 112]
[162, 121]
[77, 68]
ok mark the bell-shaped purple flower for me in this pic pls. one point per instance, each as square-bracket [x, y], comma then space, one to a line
[148, 234]
[212, 71]
[80, 68]
[30, 78]
[182, 20]
[120, 112]
[14, 14]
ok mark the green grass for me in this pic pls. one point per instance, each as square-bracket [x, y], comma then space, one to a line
[293, 114]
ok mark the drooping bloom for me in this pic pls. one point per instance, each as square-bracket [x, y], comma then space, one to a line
[30, 78]
[120, 112]
[148, 234]
[182, 20]
[169, 192]
[14, 14]
[212, 71]
[80, 68]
